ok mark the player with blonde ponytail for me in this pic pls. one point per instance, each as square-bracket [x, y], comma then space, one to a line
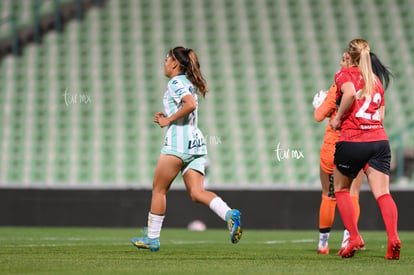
[325, 106]
[363, 144]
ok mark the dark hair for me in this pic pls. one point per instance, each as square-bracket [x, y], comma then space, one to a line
[383, 73]
[188, 60]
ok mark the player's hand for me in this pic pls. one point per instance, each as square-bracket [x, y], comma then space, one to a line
[160, 118]
[319, 98]
[335, 123]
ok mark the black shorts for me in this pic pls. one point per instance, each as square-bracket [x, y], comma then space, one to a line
[351, 157]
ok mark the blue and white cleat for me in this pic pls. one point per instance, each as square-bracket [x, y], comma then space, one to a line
[146, 243]
[234, 225]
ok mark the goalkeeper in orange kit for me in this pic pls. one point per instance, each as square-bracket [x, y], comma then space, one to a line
[325, 106]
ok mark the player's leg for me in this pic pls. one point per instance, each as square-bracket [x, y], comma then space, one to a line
[194, 182]
[354, 192]
[379, 183]
[350, 157]
[328, 201]
[168, 167]
[347, 212]
[378, 171]
[326, 211]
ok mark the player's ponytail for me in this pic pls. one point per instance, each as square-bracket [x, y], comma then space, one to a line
[365, 68]
[194, 74]
[358, 50]
[188, 60]
[383, 73]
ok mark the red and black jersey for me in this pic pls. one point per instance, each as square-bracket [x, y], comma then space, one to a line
[362, 121]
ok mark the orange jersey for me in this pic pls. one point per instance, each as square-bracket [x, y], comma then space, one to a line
[328, 109]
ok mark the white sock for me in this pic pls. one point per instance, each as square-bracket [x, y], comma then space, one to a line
[323, 239]
[219, 207]
[345, 239]
[154, 225]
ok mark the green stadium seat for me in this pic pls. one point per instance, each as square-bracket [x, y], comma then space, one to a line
[263, 61]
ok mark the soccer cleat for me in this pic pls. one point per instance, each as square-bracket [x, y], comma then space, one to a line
[339, 253]
[394, 248]
[362, 247]
[324, 250]
[234, 225]
[352, 247]
[344, 244]
[146, 243]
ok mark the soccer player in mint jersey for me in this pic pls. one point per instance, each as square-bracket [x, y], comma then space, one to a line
[362, 144]
[184, 148]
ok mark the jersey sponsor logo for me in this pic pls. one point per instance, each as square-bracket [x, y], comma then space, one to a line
[180, 90]
[196, 143]
[374, 126]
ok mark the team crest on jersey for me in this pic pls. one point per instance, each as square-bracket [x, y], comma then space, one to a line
[192, 90]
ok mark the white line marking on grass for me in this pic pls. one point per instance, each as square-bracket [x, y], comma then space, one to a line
[183, 242]
[275, 242]
[291, 241]
[66, 244]
[303, 241]
[191, 242]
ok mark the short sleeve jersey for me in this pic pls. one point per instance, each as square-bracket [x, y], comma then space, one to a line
[182, 135]
[362, 121]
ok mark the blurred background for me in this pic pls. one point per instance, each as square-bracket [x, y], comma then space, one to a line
[81, 80]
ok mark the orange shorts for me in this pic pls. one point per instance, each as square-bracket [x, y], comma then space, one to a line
[326, 158]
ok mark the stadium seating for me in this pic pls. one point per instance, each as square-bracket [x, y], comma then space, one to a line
[76, 111]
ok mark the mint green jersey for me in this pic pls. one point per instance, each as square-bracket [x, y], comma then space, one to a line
[182, 135]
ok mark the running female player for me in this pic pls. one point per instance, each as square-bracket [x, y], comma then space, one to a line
[184, 148]
[362, 144]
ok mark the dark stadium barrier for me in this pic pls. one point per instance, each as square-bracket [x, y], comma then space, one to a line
[265, 209]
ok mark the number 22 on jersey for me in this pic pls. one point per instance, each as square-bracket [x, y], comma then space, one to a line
[362, 112]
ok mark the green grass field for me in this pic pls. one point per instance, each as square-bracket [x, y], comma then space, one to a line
[108, 251]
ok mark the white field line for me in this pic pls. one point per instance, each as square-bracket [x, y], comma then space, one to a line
[50, 242]
[261, 242]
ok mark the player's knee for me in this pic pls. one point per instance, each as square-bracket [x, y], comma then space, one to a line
[195, 195]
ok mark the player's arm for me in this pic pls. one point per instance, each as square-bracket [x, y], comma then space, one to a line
[189, 105]
[327, 106]
[348, 96]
